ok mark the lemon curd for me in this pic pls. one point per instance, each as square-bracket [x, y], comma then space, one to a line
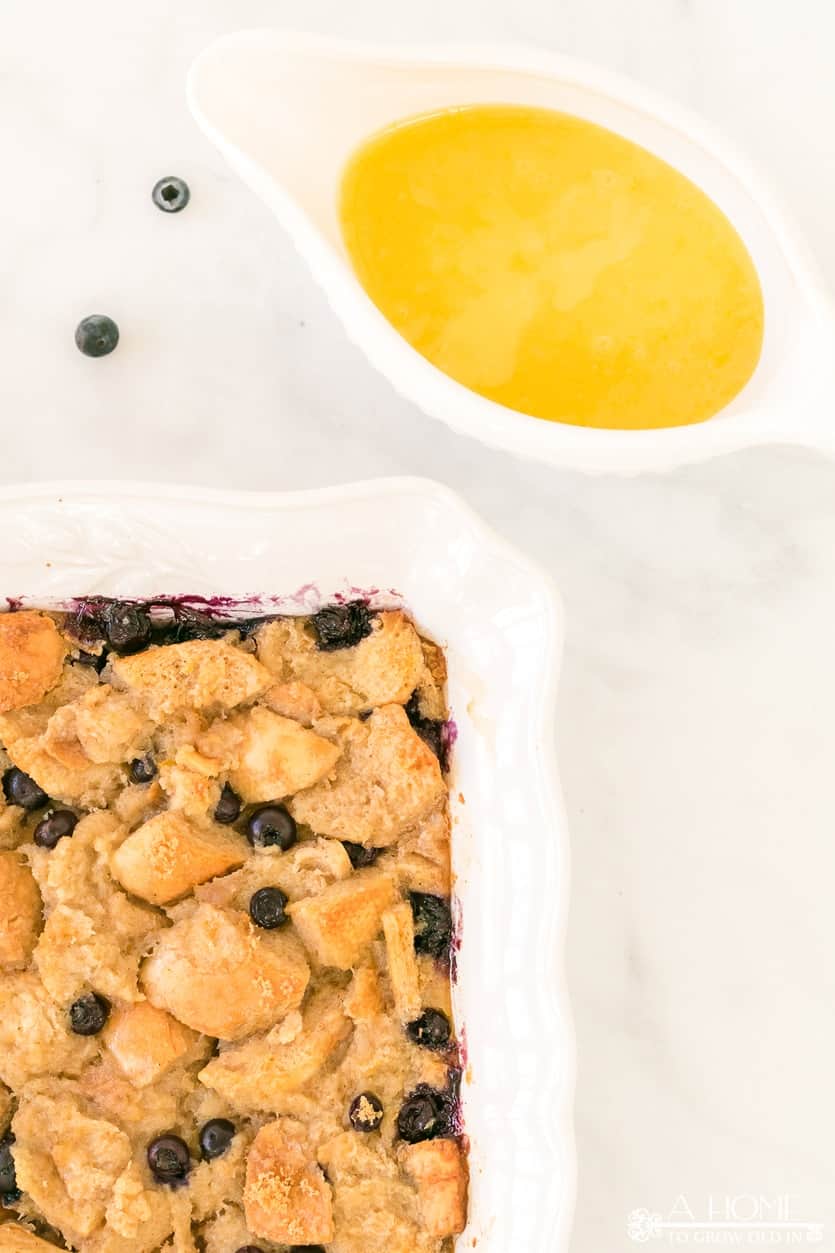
[554, 266]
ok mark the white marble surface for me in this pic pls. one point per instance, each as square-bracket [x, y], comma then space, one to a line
[696, 729]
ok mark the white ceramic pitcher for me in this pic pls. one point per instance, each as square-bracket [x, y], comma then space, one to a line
[287, 110]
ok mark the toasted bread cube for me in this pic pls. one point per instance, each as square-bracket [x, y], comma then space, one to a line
[273, 756]
[382, 669]
[219, 975]
[385, 781]
[208, 675]
[35, 1037]
[73, 781]
[286, 1197]
[146, 1042]
[339, 924]
[109, 729]
[439, 1171]
[20, 911]
[399, 930]
[31, 658]
[66, 1160]
[254, 1075]
[168, 855]
[293, 700]
[364, 999]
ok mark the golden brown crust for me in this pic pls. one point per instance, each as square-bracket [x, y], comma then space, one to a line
[286, 1196]
[386, 780]
[146, 1042]
[220, 976]
[205, 675]
[31, 656]
[169, 855]
[439, 1170]
[338, 926]
[20, 911]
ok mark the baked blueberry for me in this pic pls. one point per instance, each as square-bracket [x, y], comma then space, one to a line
[266, 908]
[430, 730]
[127, 628]
[360, 856]
[270, 825]
[96, 335]
[433, 924]
[171, 194]
[142, 769]
[89, 1014]
[215, 1137]
[54, 827]
[422, 1116]
[431, 1031]
[169, 1158]
[9, 1191]
[365, 1112]
[21, 789]
[341, 626]
[228, 808]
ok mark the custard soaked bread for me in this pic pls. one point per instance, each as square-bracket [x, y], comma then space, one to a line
[225, 1018]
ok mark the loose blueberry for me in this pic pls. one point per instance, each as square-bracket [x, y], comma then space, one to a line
[215, 1137]
[360, 856]
[266, 908]
[431, 1031]
[228, 808]
[89, 1014]
[9, 1191]
[54, 827]
[20, 789]
[142, 769]
[270, 825]
[96, 335]
[433, 924]
[168, 1158]
[365, 1112]
[171, 194]
[422, 1117]
[341, 626]
[430, 730]
[127, 627]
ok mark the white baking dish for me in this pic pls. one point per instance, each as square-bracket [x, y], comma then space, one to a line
[287, 110]
[405, 541]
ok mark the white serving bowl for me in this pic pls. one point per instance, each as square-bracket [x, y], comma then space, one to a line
[403, 541]
[287, 110]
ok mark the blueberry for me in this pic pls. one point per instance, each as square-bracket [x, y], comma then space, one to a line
[215, 1137]
[142, 769]
[89, 1014]
[422, 1116]
[271, 824]
[433, 924]
[20, 789]
[171, 194]
[266, 908]
[431, 1031]
[96, 335]
[9, 1191]
[126, 627]
[169, 1158]
[341, 626]
[365, 1112]
[54, 827]
[361, 856]
[430, 730]
[228, 808]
